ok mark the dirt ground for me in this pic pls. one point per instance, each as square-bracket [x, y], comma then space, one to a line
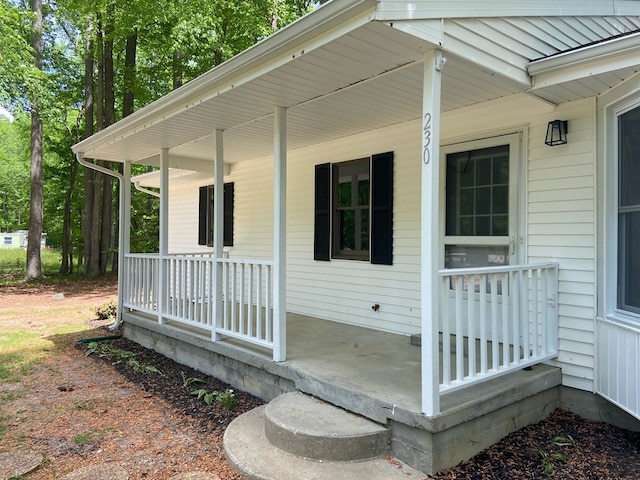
[81, 410]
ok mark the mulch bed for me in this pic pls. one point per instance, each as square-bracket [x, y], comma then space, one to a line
[564, 446]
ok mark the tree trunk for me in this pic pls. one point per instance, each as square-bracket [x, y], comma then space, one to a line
[89, 174]
[34, 260]
[129, 74]
[109, 119]
[66, 267]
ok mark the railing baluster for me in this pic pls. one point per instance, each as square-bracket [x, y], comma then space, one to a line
[495, 339]
[459, 330]
[535, 344]
[471, 326]
[446, 331]
[250, 315]
[483, 324]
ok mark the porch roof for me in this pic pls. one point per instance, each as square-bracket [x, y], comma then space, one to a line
[356, 65]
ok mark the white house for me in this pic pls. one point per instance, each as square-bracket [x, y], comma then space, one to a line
[434, 169]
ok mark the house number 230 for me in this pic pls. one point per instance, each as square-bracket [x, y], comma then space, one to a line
[426, 129]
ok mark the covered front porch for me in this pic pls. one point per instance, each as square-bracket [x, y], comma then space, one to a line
[494, 321]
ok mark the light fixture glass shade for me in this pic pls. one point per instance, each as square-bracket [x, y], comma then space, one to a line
[556, 133]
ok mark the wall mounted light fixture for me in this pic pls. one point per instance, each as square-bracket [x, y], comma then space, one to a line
[556, 133]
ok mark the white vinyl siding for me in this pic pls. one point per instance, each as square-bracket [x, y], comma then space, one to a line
[561, 227]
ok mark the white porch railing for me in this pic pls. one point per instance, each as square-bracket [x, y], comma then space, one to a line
[245, 310]
[495, 320]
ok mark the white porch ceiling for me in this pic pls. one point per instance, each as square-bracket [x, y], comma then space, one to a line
[364, 78]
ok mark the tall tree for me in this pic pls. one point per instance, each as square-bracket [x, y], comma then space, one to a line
[34, 260]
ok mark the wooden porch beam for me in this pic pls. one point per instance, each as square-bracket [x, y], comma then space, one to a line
[279, 234]
[430, 230]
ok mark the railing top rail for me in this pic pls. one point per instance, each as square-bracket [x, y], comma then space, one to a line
[246, 261]
[141, 255]
[498, 269]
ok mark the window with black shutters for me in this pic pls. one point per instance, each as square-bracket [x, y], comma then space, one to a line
[354, 210]
[205, 215]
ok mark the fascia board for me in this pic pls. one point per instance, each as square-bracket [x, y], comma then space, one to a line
[603, 57]
[390, 10]
[310, 32]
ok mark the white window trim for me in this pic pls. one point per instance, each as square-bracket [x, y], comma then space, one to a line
[608, 203]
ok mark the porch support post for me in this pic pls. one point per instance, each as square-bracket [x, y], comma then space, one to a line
[218, 233]
[279, 235]
[164, 233]
[429, 231]
[124, 237]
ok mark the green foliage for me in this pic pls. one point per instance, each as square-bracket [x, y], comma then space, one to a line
[107, 310]
[119, 356]
[551, 458]
[226, 398]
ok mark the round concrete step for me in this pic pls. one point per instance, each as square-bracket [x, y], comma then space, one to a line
[256, 458]
[309, 428]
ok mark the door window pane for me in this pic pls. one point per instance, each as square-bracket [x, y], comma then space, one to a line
[477, 185]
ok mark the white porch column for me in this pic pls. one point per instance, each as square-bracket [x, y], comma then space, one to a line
[218, 232]
[124, 237]
[429, 230]
[164, 232]
[279, 234]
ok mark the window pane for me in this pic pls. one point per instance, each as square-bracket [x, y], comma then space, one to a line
[347, 229]
[629, 165]
[364, 229]
[483, 171]
[483, 201]
[500, 225]
[363, 192]
[344, 193]
[629, 262]
[501, 170]
[500, 197]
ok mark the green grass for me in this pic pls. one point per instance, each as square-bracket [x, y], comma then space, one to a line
[19, 352]
[13, 264]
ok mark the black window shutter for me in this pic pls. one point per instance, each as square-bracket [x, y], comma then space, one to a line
[202, 216]
[382, 209]
[228, 214]
[322, 213]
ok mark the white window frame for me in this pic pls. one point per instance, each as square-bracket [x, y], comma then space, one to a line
[609, 208]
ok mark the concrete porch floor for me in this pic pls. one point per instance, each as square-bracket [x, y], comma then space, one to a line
[368, 372]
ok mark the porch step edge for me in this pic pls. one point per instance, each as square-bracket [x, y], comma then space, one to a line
[251, 454]
[311, 428]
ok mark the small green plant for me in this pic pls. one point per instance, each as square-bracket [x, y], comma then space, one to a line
[107, 310]
[190, 380]
[226, 398]
[549, 459]
[119, 356]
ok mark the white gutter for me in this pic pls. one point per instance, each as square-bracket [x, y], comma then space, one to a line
[120, 177]
[142, 189]
[627, 46]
